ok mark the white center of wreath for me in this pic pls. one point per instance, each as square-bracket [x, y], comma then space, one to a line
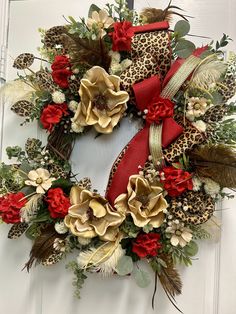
[93, 157]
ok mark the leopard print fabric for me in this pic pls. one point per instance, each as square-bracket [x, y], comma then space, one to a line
[114, 167]
[23, 61]
[192, 207]
[22, 108]
[190, 137]
[156, 44]
[150, 56]
[45, 81]
[17, 230]
[140, 69]
[53, 36]
[215, 114]
[54, 258]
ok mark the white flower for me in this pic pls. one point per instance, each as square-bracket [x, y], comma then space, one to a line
[180, 235]
[59, 245]
[197, 183]
[115, 69]
[40, 178]
[200, 125]
[101, 20]
[115, 56]
[76, 127]
[125, 64]
[58, 97]
[211, 187]
[73, 105]
[60, 227]
[83, 241]
[196, 108]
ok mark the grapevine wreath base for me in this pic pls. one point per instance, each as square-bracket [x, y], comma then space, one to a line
[163, 187]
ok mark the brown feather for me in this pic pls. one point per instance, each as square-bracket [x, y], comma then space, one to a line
[217, 162]
[153, 15]
[87, 52]
[43, 246]
[170, 278]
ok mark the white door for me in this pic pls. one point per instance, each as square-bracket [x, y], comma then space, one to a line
[209, 285]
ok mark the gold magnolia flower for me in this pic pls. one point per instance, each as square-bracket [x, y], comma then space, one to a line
[91, 215]
[41, 179]
[143, 201]
[102, 102]
[101, 21]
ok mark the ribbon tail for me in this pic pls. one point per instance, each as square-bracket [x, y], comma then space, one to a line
[134, 155]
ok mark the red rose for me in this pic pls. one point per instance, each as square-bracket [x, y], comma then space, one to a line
[52, 115]
[176, 181]
[10, 206]
[121, 36]
[60, 77]
[58, 203]
[60, 62]
[159, 109]
[146, 244]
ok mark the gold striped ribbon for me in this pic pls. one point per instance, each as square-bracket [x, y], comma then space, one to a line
[173, 86]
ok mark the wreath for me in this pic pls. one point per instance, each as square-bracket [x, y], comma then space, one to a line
[163, 187]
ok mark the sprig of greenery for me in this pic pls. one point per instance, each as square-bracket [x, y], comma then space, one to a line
[79, 278]
[120, 11]
[219, 44]
[225, 132]
[199, 233]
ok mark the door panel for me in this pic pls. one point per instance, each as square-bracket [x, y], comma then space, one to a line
[209, 285]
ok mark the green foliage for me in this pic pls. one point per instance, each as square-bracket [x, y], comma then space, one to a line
[15, 152]
[127, 246]
[129, 228]
[33, 231]
[11, 179]
[224, 132]
[124, 266]
[199, 233]
[182, 28]
[223, 42]
[141, 277]
[184, 48]
[120, 12]
[64, 184]
[79, 278]
[157, 264]
[147, 228]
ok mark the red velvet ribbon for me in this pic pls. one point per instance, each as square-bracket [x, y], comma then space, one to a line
[138, 148]
[149, 27]
[144, 92]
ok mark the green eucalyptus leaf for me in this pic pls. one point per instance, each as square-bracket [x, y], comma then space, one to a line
[25, 167]
[141, 277]
[184, 48]
[92, 8]
[191, 249]
[124, 266]
[182, 28]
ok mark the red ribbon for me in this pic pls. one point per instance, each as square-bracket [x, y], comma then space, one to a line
[144, 92]
[138, 148]
[149, 27]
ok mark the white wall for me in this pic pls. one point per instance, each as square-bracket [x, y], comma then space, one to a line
[209, 285]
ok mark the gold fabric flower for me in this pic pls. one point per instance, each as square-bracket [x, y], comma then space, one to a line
[100, 20]
[40, 178]
[91, 215]
[102, 102]
[143, 201]
[196, 108]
